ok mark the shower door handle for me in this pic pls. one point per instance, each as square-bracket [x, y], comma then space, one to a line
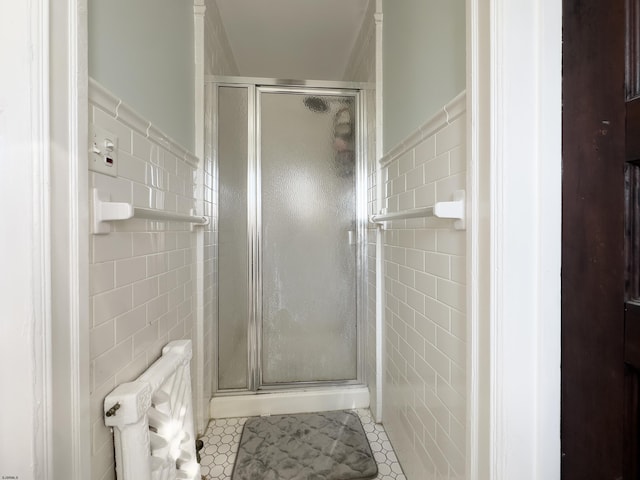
[351, 235]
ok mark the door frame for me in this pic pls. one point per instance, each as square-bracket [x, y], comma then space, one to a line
[54, 341]
[255, 87]
[514, 52]
[497, 74]
[69, 221]
[25, 328]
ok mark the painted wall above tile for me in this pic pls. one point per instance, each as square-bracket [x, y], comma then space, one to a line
[424, 62]
[142, 51]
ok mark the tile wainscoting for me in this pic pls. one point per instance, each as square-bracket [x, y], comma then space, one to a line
[425, 293]
[142, 274]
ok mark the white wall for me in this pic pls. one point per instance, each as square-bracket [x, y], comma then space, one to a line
[142, 51]
[424, 62]
[361, 66]
[218, 57]
[142, 274]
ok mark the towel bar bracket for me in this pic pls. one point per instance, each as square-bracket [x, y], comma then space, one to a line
[105, 211]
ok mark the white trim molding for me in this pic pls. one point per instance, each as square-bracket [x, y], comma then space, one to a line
[201, 404]
[41, 266]
[69, 209]
[477, 424]
[380, 305]
[25, 255]
[107, 102]
[549, 240]
[514, 241]
[443, 117]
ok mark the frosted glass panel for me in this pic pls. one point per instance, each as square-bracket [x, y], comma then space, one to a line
[232, 238]
[308, 238]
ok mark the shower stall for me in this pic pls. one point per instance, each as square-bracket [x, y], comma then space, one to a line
[290, 184]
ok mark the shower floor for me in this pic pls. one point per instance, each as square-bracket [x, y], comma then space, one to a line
[223, 435]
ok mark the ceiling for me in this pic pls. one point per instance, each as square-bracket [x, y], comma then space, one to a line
[292, 39]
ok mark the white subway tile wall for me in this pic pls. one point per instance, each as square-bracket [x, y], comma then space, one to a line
[425, 291]
[142, 274]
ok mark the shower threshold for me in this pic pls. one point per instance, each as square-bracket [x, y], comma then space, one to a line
[293, 401]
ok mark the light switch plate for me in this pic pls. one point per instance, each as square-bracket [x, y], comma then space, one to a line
[103, 151]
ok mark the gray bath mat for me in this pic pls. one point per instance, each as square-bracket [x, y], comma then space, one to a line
[308, 446]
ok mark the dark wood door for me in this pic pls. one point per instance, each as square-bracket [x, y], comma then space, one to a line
[632, 242]
[601, 240]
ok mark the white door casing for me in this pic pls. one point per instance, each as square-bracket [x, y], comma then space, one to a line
[514, 94]
[514, 238]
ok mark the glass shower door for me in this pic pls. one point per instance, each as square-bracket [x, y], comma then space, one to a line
[308, 256]
[233, 261]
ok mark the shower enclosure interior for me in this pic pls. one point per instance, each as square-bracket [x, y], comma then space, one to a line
[291, 224]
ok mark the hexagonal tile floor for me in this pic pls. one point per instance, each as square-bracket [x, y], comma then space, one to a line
[223, 435]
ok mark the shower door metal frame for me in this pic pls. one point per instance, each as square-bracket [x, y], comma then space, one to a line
[255, 87]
